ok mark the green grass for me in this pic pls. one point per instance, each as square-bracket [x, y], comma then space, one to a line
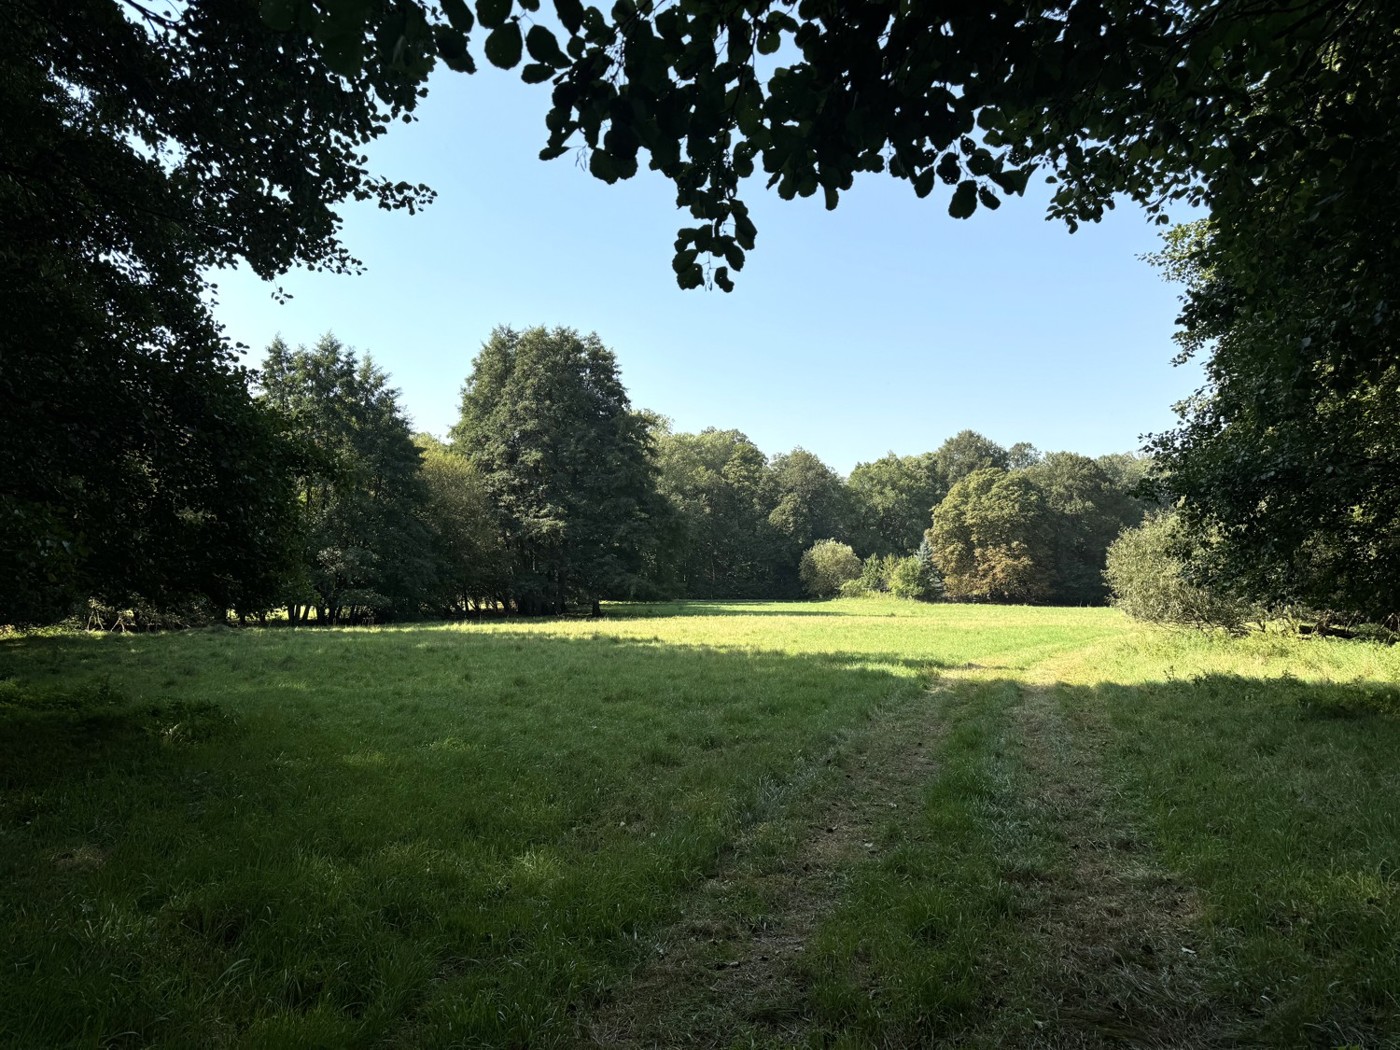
[1268, 772]
[483, 834]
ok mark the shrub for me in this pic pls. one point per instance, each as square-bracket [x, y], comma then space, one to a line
[855, 589]
[827, 565]
[917, 577]
[1147, 574]
[875, 573]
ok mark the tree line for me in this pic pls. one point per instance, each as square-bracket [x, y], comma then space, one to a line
[553, 493]
[141, 149]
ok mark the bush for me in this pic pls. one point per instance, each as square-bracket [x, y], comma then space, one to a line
[855, 589]
[1147, 574]
[917, 578]
[827, 565]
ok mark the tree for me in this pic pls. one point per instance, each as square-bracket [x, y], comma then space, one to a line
[807, 498]
[965, 452]
[365, 551]
[1128, 473]
[726, 546]
[891, 500]
[137, 149]
[568, 464]
[1157, 99]
[469, 570]
[917, 576]
[989, 538]
[825, 566]
[1022, 455]
[1281, 117]
[1289, 455]
[1085, 513]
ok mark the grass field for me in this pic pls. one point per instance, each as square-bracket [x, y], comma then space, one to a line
[853, 823]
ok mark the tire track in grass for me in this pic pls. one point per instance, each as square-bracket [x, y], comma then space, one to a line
[731, 972]
[1121, 961]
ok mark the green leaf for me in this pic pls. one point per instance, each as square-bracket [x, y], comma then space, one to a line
[340, 33]
[964, 201]
[281, 15]
[980, 162]
[459, 14]
[768, 42]
[691, 277]
[535, 73]
[452, 49]
[504, 45]
[570, 14]
[344, 54]
[723, 279]
[949, 169]
[544, 49]
[602, 165]
[493, 13]
[989, 200]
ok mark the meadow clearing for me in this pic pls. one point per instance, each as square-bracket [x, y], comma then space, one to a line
[852, 823]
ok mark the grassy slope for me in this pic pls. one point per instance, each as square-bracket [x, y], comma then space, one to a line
[465, 835]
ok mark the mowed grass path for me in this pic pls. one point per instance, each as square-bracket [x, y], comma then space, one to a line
[845, 823]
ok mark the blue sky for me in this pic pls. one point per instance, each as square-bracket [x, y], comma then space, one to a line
[884, 325]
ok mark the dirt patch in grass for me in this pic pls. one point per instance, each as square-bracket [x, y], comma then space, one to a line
[732, 970]
[1122, 963]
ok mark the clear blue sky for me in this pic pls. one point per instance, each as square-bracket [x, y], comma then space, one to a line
[884, 325]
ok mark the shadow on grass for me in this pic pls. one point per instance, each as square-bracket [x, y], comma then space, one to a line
[1274, 797]
[401, 835]
[424, 837]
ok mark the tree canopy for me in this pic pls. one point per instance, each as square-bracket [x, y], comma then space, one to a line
[1288, 458]
[137, 149]
[1158, 100]
[141, 147]
[363, 548]
[893, 497]
[546, 421]
[715, 482]
[990, 538]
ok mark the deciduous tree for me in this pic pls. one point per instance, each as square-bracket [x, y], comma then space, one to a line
[965, 452]
[825, 566]
[891, 500]
[138, 148]
[568, 464]
[469, 566]
[1085, 512]
[726, 546]
[990, 539]
[807, 499]
[1289, 455]
[365, 551]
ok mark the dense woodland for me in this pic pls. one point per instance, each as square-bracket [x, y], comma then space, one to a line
[145, 469]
